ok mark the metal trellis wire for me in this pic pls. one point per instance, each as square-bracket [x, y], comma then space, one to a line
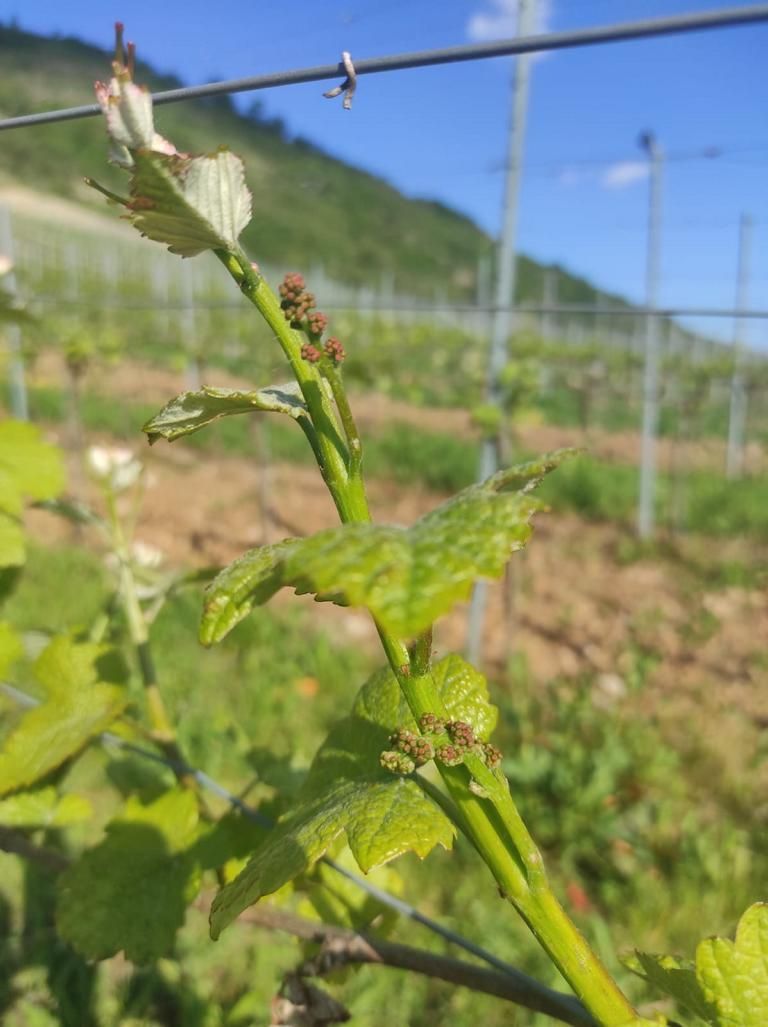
[645, 29]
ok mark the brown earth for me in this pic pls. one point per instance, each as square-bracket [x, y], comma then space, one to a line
[373, 410]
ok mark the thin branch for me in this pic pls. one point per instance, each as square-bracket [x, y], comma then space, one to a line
[342, 947]
[17, 843]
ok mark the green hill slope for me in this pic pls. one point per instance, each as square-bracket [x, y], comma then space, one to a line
[308, 206]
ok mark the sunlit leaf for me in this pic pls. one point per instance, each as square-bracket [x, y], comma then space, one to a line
[406, 577]
[734, 974]
[76, 707]
[131, 891]
[676, 978]
[346, 790]
[43, 808]
[34, 465]
[728, 985]
[250, 580]
[30, 469]
[10, 647]
[191, 411]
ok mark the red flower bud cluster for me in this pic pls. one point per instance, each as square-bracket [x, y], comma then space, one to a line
[334, 350]
[491, 755]
[449, 755]
[410, 750]
[431, 724]
[461, 734]
[310, 352]
[296, 302]
[418, 748]
[397, 763]
[317, 322]
[292, 286]
[298, 307]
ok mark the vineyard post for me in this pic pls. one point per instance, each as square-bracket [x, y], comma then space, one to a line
[737, 417]
[645, 510]
[16, 374]
[504, 293]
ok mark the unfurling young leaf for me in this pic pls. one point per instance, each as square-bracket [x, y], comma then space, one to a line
[76, 707]
[191, 411]
[131, 891]
[189, 203]
[383, 815]
[407, 578]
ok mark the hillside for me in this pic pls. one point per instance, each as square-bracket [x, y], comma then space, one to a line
[305, 201]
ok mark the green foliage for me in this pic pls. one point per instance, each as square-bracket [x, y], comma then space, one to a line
[10, 647]
[76, 707]
[728, 984]
[29, 469]
[191, 411]
[43, 808]
[130, 892]
[407, 578]
[734, 974]
[347, 790]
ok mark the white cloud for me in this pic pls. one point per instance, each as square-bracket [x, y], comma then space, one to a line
[499, 20]
[624, 173]
[570, 176]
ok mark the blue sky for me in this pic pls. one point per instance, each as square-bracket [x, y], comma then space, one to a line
[440, 132]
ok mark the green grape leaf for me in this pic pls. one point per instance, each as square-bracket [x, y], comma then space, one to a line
[641, 1021]
[13, 551]
[407, 578]
[10, 647]
[676, 978]
[250, 580]
[192, 204]
[734, 974]
[231, 837]
[462, 689]
[30, 468]
[728, 986]
[191, 411]
[347, 791]
[76, 707]
[130, 892]
[331, 898]
[43, 808]
[34, 466]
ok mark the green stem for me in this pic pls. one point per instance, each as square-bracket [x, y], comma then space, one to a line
[163, 733]
[497, 831]
[486, 811]
[346, 490]
[354, 441]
